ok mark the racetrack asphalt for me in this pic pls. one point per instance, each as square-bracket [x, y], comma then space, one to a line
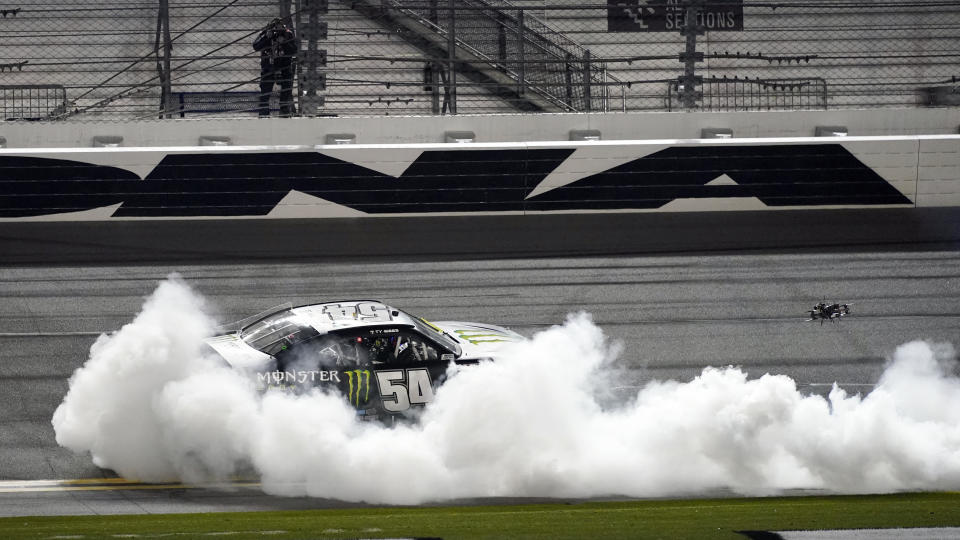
[675, 313]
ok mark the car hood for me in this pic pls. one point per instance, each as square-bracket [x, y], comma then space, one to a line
[479, 340]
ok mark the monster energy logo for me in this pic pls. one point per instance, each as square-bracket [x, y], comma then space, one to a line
[475, 336]
[363, 384]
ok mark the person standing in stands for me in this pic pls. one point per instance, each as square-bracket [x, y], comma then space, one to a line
[278, 48]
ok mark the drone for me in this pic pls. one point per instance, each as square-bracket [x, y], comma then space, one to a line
[828, 312]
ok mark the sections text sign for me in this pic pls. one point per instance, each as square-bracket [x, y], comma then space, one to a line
[668, 15]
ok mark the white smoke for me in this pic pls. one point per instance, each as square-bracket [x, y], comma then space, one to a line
[149, 406]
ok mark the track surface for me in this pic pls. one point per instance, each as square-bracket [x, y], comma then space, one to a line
[674, 315]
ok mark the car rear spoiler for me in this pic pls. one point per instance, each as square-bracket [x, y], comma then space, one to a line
[234, 327]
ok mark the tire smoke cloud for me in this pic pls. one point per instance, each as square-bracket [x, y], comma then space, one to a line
[150, 406]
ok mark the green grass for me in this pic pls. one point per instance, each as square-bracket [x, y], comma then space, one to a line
[668, 519]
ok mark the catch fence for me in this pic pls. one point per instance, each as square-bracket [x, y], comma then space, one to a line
[78, 60]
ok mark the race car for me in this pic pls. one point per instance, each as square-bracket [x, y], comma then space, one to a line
[828, 312]
[385, 361]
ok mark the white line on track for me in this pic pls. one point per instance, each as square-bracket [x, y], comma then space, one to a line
[48, 334]
[109, 484]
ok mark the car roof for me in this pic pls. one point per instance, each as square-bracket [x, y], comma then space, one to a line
[330, 316]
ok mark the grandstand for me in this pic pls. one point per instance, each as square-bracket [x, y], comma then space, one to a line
[76, 60]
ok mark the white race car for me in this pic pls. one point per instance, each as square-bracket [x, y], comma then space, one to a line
[384, 360]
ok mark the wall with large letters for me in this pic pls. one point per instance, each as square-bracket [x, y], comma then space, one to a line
[365, 180]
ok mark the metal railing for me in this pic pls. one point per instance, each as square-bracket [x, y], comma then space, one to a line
[32, 101]
[733, 94]
[205, 103]
[535, 56]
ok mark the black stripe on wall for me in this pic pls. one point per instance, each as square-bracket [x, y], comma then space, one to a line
[778, 175]
[251, 184]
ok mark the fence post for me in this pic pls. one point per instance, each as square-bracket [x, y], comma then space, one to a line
[311, 80]
[568, 78]
[521, 88]
[604, 90]
[434, 67]
[502, 40]
[163, 27]
[452, 56]
[690, 30]
[587, 101]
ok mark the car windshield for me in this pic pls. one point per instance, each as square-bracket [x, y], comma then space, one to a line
[276, 332]
[436, 334]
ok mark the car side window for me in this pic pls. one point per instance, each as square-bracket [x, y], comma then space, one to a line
[374, 346]
[352, 348]
[326, 351]
[413, 347]
[278, 333]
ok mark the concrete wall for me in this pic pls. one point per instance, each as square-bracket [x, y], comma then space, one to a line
[487, 128]
[360, 180]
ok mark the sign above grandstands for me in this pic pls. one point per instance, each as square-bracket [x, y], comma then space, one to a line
[668, 15]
